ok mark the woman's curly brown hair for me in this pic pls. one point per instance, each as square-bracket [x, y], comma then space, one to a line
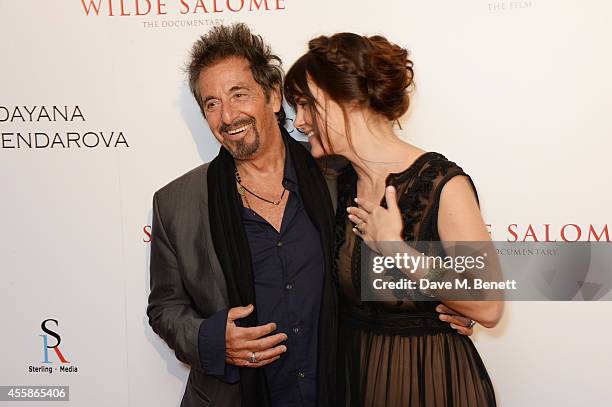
[349, 68]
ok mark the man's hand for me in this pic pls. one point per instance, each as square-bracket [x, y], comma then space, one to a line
[462, 324]
[240, 343]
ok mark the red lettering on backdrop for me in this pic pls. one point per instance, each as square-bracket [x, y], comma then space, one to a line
[93, 5]
[200, 3]
[159, 7]
[141, 7]
[565, 233]
[147, 232]
[183, 4]
[512, 232]
[578, 230]
[547, 233]
[593, 233]
[258, 5]
[530, 232]
[138, 13]
[123, 13]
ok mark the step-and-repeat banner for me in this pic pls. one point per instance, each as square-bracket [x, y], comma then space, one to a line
[96, 115]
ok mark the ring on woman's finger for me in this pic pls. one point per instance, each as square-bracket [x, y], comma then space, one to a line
[472, 323]
[360, 226]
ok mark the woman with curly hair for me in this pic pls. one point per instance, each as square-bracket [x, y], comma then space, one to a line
[347, 90]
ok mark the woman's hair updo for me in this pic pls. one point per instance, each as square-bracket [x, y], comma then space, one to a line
[352, 68]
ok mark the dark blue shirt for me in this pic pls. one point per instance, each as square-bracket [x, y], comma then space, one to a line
[288, 268]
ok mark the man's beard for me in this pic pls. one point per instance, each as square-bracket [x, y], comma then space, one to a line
[242, 149]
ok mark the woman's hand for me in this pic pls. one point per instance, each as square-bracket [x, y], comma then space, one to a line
[375, 224]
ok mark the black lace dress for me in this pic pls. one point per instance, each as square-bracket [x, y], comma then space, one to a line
[400, 353]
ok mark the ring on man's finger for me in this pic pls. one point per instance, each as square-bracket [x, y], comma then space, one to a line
[472, 323]
[253, 358]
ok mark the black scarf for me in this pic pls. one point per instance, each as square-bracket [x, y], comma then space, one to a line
[232, 249]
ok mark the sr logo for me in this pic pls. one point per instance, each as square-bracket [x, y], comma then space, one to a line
[46, 342]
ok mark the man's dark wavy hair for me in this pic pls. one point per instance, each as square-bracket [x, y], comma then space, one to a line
[236, 41]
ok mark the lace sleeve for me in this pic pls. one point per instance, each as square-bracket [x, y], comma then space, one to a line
[444, 172]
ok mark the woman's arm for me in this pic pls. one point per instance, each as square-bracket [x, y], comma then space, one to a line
[459, 220]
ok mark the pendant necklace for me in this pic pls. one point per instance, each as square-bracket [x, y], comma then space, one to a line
[242, 190]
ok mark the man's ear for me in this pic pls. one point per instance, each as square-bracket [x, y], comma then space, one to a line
[276, 98]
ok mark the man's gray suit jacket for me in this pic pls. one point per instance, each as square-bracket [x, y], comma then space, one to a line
[187, 282]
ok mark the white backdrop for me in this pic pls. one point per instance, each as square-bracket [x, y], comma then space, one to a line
[516, 92]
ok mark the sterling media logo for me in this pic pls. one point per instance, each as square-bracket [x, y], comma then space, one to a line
[51, 354]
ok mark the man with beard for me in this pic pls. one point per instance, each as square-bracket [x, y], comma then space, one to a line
[241, 251]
